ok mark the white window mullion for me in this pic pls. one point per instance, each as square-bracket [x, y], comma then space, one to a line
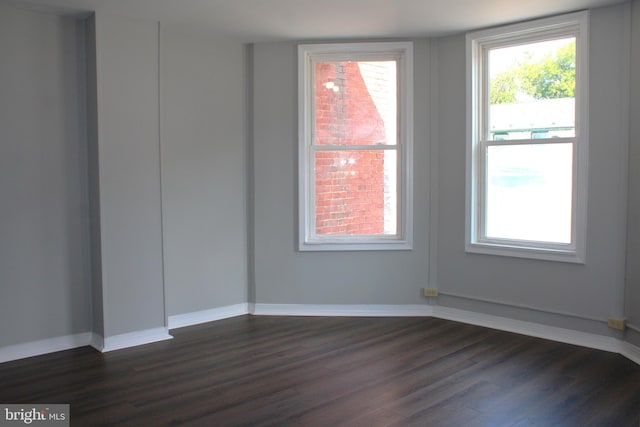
[547, 141]
[354, 147]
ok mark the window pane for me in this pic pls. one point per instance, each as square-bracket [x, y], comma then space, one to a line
[356, 192]
[529, 191]
[532, 90]
[355, 102]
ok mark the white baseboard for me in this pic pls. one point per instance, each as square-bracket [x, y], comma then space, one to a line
[97, 342]
[633, 327]
[132, 339]
[204, 316]
[630, 351]
[49, 345]
[374, 310]
[568, 336]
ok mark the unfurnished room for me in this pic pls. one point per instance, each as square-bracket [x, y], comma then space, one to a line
[304, 213]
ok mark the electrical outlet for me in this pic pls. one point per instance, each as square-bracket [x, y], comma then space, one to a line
[615, 323]
[430, 292]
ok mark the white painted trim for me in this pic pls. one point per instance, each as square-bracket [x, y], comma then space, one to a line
[477, 43]
[403, 53]
[49, 345]
[375, 310]
[204, 316]
[630, 351]
[132, 339]
[97, 342]
[568, 336]
[633, 327]
[521, 306]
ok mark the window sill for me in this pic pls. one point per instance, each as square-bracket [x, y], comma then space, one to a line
[317, 246]
[536, 253]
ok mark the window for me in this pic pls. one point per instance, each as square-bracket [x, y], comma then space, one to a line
[527, 143]
[355, 146]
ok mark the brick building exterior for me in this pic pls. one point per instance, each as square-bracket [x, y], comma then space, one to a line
[349, 185]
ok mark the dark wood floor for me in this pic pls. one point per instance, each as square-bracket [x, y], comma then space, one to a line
[295, 371]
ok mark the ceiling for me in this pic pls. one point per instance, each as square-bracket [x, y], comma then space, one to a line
[267, 20]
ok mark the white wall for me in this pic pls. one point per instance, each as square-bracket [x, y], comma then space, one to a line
[592, 291]
[129, 169]
[284, 275]
[44, 232]
[633, 247]
[203, 171]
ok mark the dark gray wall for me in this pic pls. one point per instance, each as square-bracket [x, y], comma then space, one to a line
[44, 243]
[593, 291]
[284, 275]
[203, 171]
[633, 247]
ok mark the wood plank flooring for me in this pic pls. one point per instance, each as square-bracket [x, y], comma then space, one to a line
[311, 371]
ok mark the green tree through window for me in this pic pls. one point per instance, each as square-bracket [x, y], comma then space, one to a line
[550, 77]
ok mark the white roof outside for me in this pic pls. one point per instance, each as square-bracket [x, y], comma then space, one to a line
[541, 114]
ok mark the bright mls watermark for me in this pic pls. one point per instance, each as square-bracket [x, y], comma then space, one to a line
[34, 414]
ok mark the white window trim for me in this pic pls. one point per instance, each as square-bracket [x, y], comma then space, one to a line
[574, 24]
[403, 240]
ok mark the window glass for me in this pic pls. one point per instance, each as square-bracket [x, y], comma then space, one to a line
[532, 90]
[355, 102]
[529, 190]
[355, 192]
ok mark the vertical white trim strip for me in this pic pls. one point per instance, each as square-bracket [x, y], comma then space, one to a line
[303, 184]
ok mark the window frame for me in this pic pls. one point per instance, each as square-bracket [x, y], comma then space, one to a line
[478, 43]
[403, 53]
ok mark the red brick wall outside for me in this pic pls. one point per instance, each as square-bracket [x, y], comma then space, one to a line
[349, 185]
